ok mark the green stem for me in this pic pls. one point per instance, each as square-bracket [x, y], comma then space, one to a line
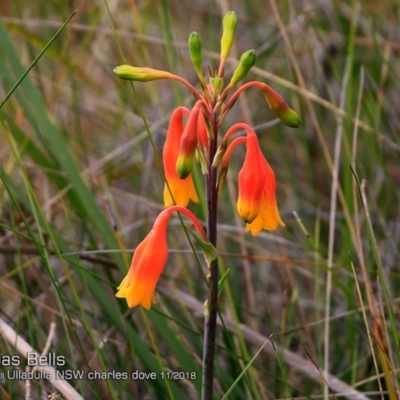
[210, 321]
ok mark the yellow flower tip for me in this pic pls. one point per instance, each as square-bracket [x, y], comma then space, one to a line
[268, 218]
[183, 191]
[138, 293]
[247, 211]
[140, 74]
[253, 229]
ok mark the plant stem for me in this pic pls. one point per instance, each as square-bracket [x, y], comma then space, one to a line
[210, 319]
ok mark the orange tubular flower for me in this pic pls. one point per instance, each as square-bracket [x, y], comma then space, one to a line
[256, 181]
[251, 180]
[149, 260]
[176, 191]
[268, 218]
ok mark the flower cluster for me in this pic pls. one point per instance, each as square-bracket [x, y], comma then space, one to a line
[197, 140]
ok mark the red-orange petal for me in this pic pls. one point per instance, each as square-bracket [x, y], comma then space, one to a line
[178, 191]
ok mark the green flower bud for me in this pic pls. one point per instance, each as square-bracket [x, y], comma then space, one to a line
[278, 105]
[247, 60]
[228, 32]
[195, 51]
[140, 74]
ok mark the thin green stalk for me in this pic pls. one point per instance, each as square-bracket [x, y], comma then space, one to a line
[37, 59]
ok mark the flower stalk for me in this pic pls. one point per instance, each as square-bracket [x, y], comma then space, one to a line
[211, 305]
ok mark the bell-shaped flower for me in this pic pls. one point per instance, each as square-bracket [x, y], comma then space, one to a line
[251, 181]
[149, 259]
[256, 201]
[176, 190]
[268, 217]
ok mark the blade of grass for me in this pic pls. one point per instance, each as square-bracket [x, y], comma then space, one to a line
[37, 59]
[248, 365]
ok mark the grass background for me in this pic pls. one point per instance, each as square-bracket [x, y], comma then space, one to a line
[75, 155]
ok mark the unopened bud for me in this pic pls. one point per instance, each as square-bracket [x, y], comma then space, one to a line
[278, 105]
[194, 43]
[247, 60]
[228, 33]
[140, 74]
[217, 84]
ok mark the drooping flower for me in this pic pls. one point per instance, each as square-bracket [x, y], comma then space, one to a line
[148, 262]
[251, 180]
[275, 102]
[256, 201]
[278, 105]
[176, 191]
[269, 217]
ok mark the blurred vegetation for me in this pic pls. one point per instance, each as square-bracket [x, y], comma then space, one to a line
[75, 155]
